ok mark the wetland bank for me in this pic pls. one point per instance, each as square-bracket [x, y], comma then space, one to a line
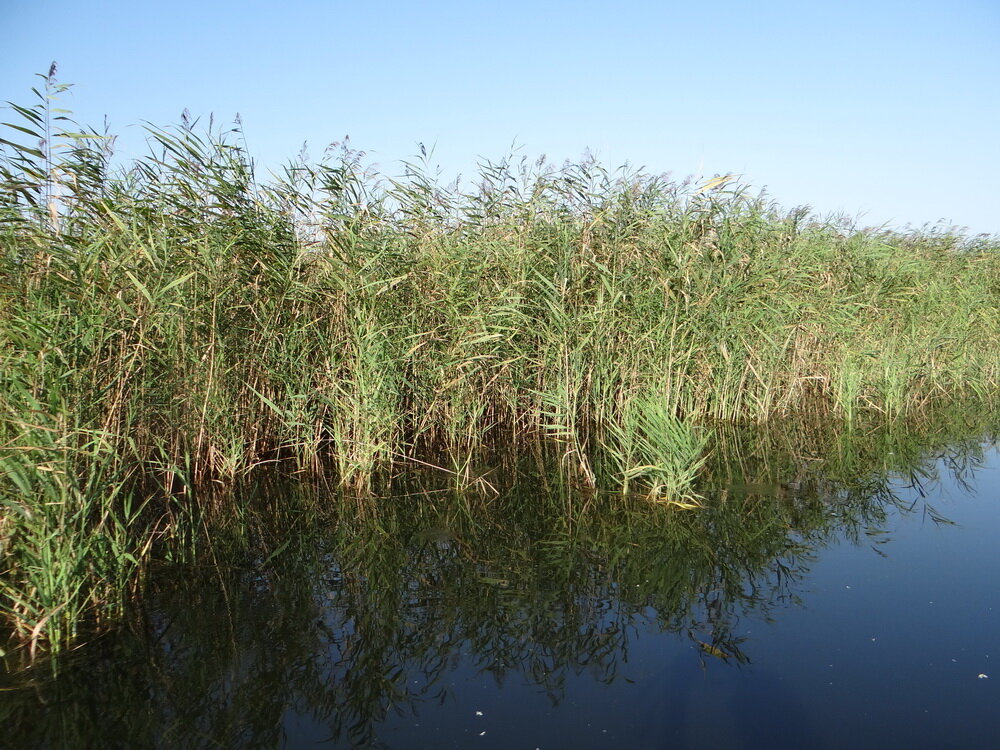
[173, 331]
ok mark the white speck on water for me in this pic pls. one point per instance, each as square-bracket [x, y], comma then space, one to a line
[847, 587]
[482, 733]
[479, 713]
[983, 676]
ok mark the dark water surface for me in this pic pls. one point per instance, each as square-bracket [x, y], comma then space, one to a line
[844, 594]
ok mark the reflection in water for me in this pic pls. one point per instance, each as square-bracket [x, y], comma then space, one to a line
[370, 610]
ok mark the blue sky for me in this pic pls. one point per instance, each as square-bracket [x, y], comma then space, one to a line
[885, 111]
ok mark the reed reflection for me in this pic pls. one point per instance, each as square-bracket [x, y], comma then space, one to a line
[347, 612]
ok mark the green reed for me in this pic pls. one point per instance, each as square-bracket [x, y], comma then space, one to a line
[170, 324]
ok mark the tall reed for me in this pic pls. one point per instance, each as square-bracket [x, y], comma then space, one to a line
[172, 323]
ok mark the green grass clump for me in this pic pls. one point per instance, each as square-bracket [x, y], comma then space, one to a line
[169, 324]
[652, 446]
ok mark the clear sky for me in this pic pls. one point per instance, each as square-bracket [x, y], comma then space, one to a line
[885, 111]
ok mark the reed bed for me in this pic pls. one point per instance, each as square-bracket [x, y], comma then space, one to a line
[171, 324]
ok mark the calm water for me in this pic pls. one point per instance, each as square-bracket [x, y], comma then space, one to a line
[837, 595]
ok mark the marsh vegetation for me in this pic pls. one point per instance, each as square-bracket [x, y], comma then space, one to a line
[171, 327]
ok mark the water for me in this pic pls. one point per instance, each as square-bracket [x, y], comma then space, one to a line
[842, 594]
